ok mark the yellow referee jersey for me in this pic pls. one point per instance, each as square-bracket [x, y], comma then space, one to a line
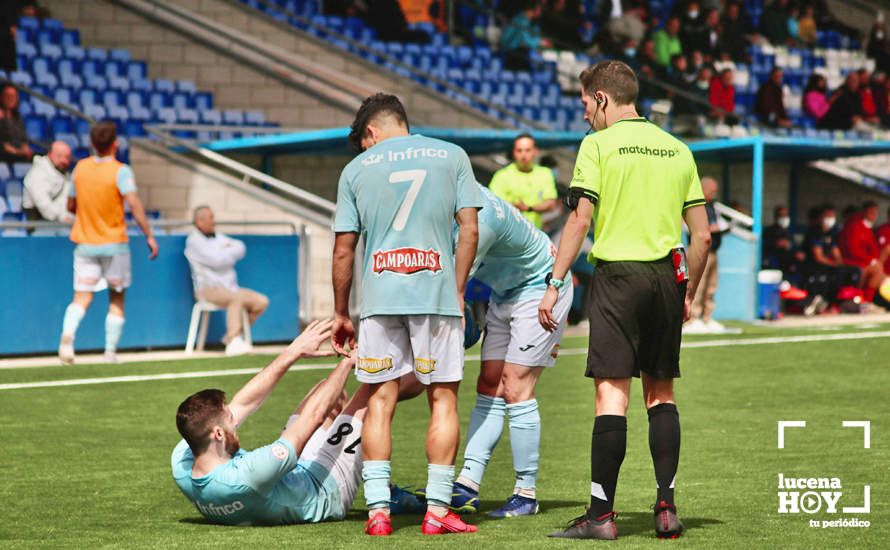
[642, 178]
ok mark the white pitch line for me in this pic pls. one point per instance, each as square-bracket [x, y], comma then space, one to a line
[571, 351]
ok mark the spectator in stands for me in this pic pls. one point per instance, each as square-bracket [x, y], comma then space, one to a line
[524, 183]
[667, 42]
[815, 102]
[859, 247]
[824, 269]
[734, 32]
[389, 21]
[702, 35]
[778, 245]
[869, 107]
[692, 27]
[47, 186]
[13, 139]
[793, 24]
[646, 64]
[769, 104]
[774, 22]
[883, 234]
[560, 19]
[521, 37]
[722, 96]
[881, 97]
[879, 47]
[703, 302]
[806, 27]
[845, 112]
[9, 19]
[630, 26]
[212, 257]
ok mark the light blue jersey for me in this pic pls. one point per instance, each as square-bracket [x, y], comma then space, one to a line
[267, 486]
[402, 196]
[513, 256]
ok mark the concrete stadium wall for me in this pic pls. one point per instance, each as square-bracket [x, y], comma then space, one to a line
[178, 189]
[159, 303]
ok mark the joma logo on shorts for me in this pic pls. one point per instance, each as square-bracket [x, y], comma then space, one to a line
[373, 366]
[424, 366]
[642, 150]
[211, 509]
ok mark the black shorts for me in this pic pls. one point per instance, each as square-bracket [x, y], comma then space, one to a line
[636, 320]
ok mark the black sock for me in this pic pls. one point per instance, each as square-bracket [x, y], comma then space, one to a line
[607, 448]
[664, 444]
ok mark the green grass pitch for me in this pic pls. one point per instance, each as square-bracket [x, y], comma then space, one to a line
[88, 466]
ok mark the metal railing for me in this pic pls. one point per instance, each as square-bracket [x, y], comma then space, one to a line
[414, 71]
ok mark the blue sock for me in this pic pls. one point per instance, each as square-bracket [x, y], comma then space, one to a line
[114, 327]
[375, 473]
[525, 439]
[73, 316]
[439, 483]
[486, 426]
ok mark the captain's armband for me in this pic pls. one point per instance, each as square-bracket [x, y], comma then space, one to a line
[575, 194]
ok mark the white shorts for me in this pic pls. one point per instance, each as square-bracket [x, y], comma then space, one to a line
[337, 453]
[513, 333]
[431, 346]
[96, 273]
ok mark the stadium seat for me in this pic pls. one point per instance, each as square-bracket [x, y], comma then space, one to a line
[20, 169]
[14, 192]
[4, 174]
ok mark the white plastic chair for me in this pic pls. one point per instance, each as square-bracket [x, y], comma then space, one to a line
[201, 318]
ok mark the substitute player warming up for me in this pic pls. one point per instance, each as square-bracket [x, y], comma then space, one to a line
[102, 256]
[635, 181]
[403, 194]
[514, 259]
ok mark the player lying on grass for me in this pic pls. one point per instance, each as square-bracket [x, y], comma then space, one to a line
[514, 259]
[310, 474]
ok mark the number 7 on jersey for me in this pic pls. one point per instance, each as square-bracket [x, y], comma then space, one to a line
[416, 177]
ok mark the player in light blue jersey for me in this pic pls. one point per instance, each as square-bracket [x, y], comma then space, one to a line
[513, 258]
[310, 474]
[402, 195]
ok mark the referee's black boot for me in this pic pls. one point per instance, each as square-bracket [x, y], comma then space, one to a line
[583, 527]
[667, 524]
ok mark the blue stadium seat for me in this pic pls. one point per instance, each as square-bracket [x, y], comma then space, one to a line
[4, 174]
[182, 100]
[69, 38]
[233, 117]
[44, 109]
[211, 116]
[203, 101]
[30, 23]
[97, 54]
[134, 128]
[71, 139]
[35, 127]
[159, 100]
[23, 78]
[119, 55]
[75, 52]
[164, 85]
[187, 86]
[136, 70]
[97, 112]
[166, 115]
[20, 169]
[254, 118]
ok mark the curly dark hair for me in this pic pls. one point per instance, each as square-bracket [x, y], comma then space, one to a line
[372, 107]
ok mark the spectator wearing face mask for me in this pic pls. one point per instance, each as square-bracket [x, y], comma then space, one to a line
[778, 245]
[824, 269]
[859, 246]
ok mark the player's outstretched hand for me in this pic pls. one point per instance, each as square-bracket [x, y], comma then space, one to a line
[152, 247]
[545, 309]
[343, 333]
[308, 342]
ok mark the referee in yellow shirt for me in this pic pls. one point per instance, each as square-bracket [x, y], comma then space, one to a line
[525, 184]
[635, 181]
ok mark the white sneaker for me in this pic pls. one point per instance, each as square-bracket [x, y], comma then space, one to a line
[695, 326]
[714, 327]
[66, 351]
[111, 357]
[237, 346]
